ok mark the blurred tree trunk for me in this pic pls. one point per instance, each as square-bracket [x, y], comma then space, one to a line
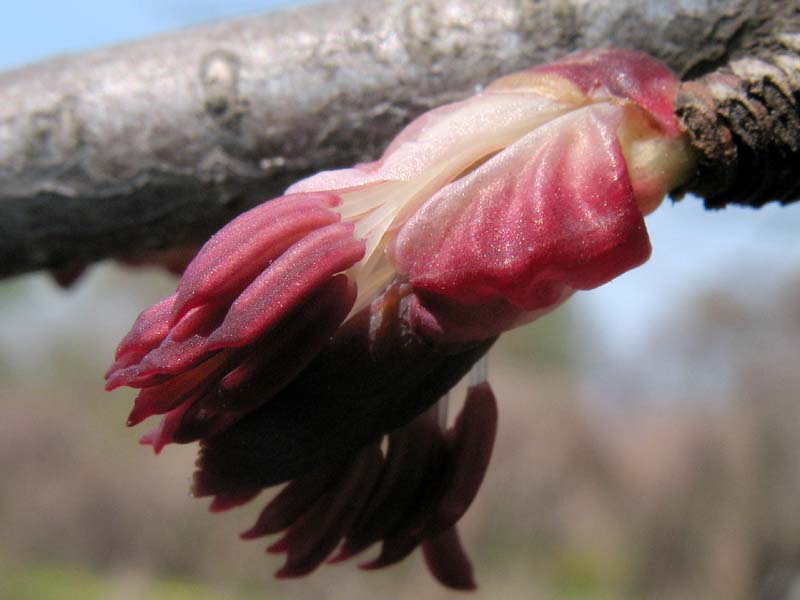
[157, 143]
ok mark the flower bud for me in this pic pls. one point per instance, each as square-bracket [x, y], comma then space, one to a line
[317, 323]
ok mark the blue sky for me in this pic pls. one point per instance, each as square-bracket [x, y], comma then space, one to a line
[738, 250]
[34, 29]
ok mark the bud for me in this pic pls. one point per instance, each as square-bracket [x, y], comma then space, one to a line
[315, 324]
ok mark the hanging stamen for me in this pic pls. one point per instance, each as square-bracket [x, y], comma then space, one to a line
[441, 408]
[480, 371]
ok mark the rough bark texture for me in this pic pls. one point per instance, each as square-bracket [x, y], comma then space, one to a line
[157, 143]
[744, 118]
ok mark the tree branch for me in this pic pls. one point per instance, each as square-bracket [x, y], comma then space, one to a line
[743, 119]
[158, 143]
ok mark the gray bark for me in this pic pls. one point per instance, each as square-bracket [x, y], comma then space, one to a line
[157, 143]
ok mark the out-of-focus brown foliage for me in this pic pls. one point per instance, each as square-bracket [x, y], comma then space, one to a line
[670, 500]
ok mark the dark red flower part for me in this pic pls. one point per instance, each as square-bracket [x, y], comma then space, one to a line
[199, 354]
[412, 496]
[622, 74]
[447, 560]
[320, 327]
[323, 417]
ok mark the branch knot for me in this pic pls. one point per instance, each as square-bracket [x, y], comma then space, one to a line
[743, 121]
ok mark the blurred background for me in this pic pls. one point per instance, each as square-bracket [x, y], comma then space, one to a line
[649, 441]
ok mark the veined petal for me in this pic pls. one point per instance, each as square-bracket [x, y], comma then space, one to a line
[170, 358]
[441, 319]
[292, 278]
[164, 397]
[375, 376]
[269, 368]
[182, 349]
[624, 74]
[147, 332]
[554, 211]
[472, 128]
[235, 255]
